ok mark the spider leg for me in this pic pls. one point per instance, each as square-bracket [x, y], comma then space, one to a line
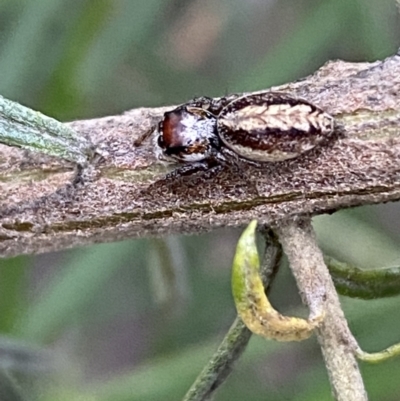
[138, 142]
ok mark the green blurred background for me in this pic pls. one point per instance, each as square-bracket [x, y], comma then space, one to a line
[137, 320]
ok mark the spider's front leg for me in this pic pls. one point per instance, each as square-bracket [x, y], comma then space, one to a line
[145, 135]
[213, 105]
[190, 173]
[204, 168]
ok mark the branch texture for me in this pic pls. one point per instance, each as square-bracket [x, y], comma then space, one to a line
[43, 208]
[316, 288]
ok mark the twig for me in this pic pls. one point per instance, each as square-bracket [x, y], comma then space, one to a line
[41, 211]
[354, 282]
[380, 356]
[31, 130]
[317, 290]
[10, 390]
[221, 363]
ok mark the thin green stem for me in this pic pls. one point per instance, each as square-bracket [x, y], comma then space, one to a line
[9, 388]
[377, 357]
[31, 130]
[365, 284]
[220, 365]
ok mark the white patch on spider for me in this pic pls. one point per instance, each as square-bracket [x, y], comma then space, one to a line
[195, 132]
[282, 117]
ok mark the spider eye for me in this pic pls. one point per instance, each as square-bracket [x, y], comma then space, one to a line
[161, 142]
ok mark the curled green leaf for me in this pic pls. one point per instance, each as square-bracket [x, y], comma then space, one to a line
[251, 302]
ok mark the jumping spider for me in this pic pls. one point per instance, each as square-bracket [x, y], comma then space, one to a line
[256, 128]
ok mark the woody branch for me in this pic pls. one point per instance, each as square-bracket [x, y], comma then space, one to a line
[337, 343]
[42, 209]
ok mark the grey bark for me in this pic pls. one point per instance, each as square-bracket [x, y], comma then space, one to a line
[318, 292]
[41, 210]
